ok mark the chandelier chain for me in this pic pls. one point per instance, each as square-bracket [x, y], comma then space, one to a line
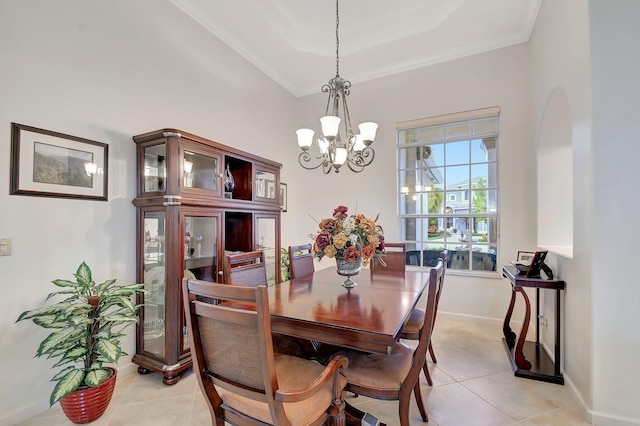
[337, 40]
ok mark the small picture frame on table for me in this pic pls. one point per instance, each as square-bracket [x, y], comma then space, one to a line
[530, 263]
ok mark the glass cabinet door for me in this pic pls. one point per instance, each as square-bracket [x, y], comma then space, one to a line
[201, 171]
[154, 282]
[155, 168]
[267, 240]
[200, 235]
[265, 185]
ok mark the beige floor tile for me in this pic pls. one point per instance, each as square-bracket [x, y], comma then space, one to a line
[455, 405]
[558, 417]
[174, 411]
[517, 397]
[474, 385]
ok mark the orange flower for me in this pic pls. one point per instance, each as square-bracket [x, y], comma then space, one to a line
[368, 251]
[329, 225]
[351, 255]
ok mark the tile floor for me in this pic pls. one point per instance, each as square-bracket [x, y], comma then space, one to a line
[473, 385]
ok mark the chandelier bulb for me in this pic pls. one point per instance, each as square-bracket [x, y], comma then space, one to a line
[305, 138]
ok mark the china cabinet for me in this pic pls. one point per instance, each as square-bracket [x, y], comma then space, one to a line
[196, 200]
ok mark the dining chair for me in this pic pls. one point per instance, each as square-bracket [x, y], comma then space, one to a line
[394, 376]
[393, 261]
[249, 270]
[246, 269]
[300, 261]
[243, 381]
[411, 329]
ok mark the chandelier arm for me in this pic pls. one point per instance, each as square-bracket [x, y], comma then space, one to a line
[361, 159]
[345, 107]
[305, 158]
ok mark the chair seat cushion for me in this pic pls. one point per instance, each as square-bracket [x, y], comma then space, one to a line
[411, 329]
[378, 371]
[293, 373]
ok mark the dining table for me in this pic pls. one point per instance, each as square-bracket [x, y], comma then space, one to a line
[368, 317]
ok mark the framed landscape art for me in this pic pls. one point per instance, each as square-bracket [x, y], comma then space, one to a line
[51, 164]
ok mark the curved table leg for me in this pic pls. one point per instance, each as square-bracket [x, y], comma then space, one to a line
[521, 361]
[509, 335]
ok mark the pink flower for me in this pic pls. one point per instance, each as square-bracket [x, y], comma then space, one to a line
[323, 239]
[340, 212]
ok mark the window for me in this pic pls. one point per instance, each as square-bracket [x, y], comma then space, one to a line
[448, 189]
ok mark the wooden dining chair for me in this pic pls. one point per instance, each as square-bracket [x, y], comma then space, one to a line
[249, 270]
[243, 381]
[394, 376]
[246, 269]
[300, 261]
[411, 329]
[393, 261]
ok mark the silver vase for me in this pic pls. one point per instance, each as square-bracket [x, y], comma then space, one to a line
[348, 269]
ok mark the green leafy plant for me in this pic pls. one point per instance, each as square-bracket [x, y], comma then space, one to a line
[88, 326]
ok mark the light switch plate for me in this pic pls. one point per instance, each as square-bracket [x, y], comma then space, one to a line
[5, 246]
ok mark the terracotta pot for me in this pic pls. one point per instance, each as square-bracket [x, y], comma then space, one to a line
[88, 404]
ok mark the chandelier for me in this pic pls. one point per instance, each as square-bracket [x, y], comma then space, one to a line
[335, 149]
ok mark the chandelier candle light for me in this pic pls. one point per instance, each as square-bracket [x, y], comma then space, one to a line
[336, 149]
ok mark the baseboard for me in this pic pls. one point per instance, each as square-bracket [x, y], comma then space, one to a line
[605, 419]
[515, 324]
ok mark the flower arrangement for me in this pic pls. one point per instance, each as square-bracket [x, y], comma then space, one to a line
[348, 236]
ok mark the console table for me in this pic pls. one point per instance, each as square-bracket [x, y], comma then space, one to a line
[529, 359]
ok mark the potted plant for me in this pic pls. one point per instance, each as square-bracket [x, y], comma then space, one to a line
[87, 326]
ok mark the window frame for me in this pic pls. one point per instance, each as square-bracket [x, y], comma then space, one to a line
[481, 252]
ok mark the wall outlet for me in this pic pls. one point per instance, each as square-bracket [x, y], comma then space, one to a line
[5, 246]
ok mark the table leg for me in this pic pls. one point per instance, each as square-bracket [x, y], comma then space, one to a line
[557, 337]
[521, 361]
[509, 335]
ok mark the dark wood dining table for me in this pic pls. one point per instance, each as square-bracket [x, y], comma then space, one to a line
[368, 317]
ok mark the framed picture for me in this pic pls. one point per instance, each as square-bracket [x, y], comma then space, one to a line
[260, 191]
[50, 164]
[525, 257]
[283, 197]
[271, 189]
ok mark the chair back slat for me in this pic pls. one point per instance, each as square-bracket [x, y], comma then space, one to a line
[300, 261]
[246, 269]
[393, 261]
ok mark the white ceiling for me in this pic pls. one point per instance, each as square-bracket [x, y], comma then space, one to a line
[294, 41]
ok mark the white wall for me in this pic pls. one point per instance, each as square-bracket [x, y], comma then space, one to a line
[615, 65]
[589, 50]
[105, 71]
[560, 64]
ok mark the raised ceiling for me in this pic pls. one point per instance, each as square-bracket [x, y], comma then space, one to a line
[294, 41]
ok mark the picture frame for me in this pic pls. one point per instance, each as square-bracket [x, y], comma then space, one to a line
[530, 263]
[260, 188]
[525, 256]
[283, 197]
[51, 164]
[537, 262]
[271, 189]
